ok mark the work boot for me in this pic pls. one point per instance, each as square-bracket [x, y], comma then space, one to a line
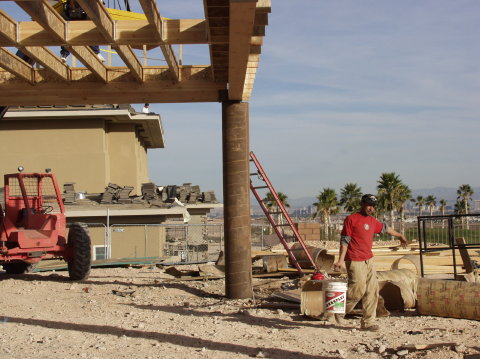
[370, 328]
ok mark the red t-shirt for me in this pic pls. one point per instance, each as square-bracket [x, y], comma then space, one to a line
[360, 230]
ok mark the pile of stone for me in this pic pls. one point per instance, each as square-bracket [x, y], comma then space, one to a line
[111, 193]
[69, 193]
[160, 196]
[186, 193]
[116, 194]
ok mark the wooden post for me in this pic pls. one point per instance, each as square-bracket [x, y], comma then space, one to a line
[236, 195]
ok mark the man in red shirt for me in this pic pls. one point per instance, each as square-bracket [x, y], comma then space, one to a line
[356, 253]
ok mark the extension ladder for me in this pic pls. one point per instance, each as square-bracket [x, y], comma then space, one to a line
[284, 220]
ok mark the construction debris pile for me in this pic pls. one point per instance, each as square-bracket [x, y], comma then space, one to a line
[186, 194]
[161, 196]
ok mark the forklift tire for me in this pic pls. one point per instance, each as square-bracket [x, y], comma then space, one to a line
[17, 267]
[81, 254]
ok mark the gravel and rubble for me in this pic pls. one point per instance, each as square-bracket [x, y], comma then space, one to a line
[146, 313]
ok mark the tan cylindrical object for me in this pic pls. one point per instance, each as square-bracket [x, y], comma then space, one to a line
[448, 298]
[323, 260]
[236, 196]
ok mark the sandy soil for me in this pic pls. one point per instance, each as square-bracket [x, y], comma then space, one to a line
[142, 313]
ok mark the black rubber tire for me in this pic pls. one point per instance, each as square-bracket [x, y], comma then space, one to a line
[17, 267]
[81, 251]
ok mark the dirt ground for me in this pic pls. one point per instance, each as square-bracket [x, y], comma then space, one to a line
[142, 313]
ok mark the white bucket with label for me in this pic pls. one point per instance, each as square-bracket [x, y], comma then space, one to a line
[335, 296]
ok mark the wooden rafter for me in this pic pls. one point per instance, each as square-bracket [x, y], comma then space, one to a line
[233, 30]
[128, 32]
[242, 18]
[42, 13]
[153, 15]
[217, 17]
[16, 66]
[196, 86]
[48, 60]
[8, 29]
[98, 13]
[91, 61]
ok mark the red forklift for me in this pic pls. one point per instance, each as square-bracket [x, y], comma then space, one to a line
[33, 227]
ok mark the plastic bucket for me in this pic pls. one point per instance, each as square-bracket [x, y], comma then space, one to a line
[335, 296]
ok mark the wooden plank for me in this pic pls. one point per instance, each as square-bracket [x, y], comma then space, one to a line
[153, 16]
[197, 86]
[48, 60]
[467, 262]
[98, 13]
[16, 66]
[242, 17]
[90, 60]
[8, 28]
[128, 32]
[131, 60]
[46, 16]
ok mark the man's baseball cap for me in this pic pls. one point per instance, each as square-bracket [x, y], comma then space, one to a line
[369, 199]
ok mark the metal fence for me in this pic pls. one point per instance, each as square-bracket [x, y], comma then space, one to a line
[179, 242]
[189, 243]
[453, 232]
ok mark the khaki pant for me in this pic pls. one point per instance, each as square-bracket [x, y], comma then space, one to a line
[362, 286]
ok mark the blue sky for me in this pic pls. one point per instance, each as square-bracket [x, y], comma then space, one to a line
[346, 90]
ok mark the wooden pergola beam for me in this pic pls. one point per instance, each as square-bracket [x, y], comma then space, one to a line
[128, 32]
[90, 60]
[8, 28]
[197, 85]
[14, 65]
[131, 60]
[42, 13]
[48, 60]
[242, 18]
[98, 13]
[153, 16]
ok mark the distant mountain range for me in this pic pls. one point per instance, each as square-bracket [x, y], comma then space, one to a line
[446, 193]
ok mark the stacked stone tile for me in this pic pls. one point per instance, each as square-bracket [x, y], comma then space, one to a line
[111, 193]
[124, 195]
[209, 197]
[69, 192]
[149, 191]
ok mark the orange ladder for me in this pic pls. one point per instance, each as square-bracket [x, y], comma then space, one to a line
[283, 216]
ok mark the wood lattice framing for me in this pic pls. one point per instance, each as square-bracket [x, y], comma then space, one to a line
[233, 30]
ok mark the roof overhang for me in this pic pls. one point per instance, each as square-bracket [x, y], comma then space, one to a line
[149, 126]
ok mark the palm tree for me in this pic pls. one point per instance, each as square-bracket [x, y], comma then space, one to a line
[350, 196]
[326, 206]
[272, 206]
[431, 202]
[404, 194]
[443, 205]
[420, 202]
[388, 187]
[464, 194]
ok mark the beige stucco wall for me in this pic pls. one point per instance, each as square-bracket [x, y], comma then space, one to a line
[127, 156]
[74, 150]
[88, 152]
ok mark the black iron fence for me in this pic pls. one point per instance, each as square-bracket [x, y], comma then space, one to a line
[456, 233]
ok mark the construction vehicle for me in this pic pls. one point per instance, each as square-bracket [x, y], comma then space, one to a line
[33, 227]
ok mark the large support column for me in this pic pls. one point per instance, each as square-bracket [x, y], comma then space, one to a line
[236, 198]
